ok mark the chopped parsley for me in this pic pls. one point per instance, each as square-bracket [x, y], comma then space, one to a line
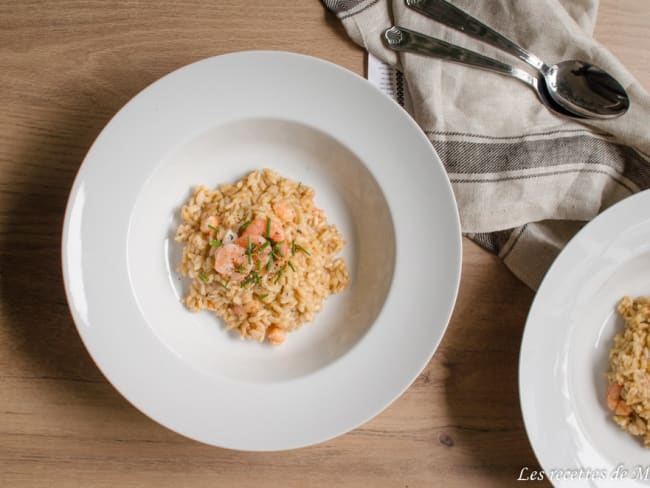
[268, 228]
[302, 249]
[279, 275]
[223, 285]
[250, 248]
[253, 277]
[262, 247]
[277, 248]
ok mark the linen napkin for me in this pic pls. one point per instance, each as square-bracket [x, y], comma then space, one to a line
[525, 180]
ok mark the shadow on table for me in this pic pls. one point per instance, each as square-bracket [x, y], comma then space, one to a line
[481, 355]
[43, 340]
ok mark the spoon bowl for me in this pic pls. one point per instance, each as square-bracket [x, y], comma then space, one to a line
[586, 89]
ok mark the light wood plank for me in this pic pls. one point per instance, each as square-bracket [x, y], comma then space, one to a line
[67, 67]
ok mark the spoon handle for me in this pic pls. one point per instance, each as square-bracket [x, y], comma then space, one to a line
[450, 15]
[402, 39]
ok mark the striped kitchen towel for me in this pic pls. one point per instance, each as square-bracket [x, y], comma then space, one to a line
[525, 180]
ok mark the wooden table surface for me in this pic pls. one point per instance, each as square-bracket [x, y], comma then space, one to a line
[65, 68]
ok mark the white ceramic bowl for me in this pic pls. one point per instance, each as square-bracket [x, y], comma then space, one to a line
[377, 178]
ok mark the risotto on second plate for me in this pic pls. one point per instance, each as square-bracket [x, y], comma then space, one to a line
[260, 255]
[628, 395]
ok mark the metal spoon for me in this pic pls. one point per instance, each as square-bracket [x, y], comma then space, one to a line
[579, 87]
[402, 39]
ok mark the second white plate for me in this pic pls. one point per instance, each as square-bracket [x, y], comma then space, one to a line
[564, 353]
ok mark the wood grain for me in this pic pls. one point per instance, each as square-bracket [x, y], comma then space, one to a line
[66, 68]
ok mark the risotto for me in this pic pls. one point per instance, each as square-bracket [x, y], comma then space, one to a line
[260, 255]
[628, 395]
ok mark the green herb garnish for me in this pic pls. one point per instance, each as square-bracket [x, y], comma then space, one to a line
[278, 249]
[223, 285]
[279, 275]
[290, 264]
[248, 250]
[262, 297]
[302, 249]
[204, 277]
[239, 269]
[242, 227]
[268, 228]
[262, 247]
[252, 277]
[215, 242]
[293, 247]
[213, 228]
[269, 263]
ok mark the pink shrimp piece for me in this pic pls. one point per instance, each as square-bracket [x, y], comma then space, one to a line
[263, 256]
[276, 335]
[258, 228]
[208, 222]
[623, 409]
[615, 402]
[229, 257]
[256, 255]
[284, 211]
[613, 395]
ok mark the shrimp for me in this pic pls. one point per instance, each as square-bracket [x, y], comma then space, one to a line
[208, 222]
[615, 402]
[229, 257]
[623, 409]
[276, 335]
[257, 256]
[263, 256]
[613, 395]
[284, 211]
[258, 228]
